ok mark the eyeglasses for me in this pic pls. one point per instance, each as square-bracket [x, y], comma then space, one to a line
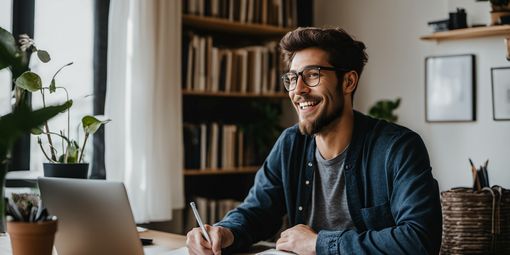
[311, 76]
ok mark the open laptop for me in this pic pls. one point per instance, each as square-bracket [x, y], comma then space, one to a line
[94, 216]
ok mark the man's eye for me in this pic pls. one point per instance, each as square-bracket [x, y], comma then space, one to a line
[312, 75]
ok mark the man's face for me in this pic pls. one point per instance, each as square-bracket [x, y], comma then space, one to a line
[316, 106]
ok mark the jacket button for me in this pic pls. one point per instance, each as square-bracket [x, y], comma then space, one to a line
[309, 163]
[307, 182]
[347, 166]
[300, 208]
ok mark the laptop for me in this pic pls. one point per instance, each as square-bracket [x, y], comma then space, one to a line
[94, 216]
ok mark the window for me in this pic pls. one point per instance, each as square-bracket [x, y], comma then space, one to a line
[5, 74]
[65, 29]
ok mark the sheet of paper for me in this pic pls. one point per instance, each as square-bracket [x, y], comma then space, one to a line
[275, 252]
[180, 251]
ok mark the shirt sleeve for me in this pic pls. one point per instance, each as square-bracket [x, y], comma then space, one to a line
[260, 215]
[415, 207]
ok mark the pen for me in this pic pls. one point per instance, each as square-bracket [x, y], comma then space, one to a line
[199, 220]
[476, 181]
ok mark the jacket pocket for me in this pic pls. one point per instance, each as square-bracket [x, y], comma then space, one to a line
[378, 217]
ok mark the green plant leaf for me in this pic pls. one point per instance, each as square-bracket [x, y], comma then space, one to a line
[23, 120]
[8, 49]
[44, 56]
[91, 124]
[29, 81]
[53, 86]
[36, 131]
[72, 152]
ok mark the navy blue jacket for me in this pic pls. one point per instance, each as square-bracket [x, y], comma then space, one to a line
[392, 197]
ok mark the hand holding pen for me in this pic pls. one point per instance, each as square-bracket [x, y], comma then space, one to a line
[207, 239]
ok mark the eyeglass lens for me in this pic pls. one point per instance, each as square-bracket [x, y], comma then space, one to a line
[310, 77]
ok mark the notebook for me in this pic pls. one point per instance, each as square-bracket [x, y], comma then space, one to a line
[94, 216]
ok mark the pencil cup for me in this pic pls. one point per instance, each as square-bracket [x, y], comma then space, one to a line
[476, 222]
[32, 237]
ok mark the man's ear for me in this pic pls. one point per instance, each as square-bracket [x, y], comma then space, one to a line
[350, 82]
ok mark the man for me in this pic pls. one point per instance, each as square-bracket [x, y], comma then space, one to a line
[348, 183]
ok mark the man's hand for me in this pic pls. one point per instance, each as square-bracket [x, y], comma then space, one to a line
[221, 237]
[299, 239]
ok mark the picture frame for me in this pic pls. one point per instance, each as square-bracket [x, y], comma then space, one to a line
[500, 79]
[450, 88]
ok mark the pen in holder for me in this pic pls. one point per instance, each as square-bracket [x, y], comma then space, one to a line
[480, 176]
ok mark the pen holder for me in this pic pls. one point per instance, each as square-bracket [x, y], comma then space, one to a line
[476, 222]
[32, 237]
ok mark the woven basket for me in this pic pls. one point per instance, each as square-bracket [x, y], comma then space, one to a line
[476, 222]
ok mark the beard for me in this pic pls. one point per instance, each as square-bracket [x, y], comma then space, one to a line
[325, 118]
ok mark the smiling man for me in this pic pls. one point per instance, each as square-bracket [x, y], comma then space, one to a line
[348, 183]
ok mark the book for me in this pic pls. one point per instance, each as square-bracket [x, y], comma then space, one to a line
[191, 146]
[203, 146]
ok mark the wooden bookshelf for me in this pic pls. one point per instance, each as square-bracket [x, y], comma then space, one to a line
[226, 26]
[225, 171]
[466, 33]
[233, 94]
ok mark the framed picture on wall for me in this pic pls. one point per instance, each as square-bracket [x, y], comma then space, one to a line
[500, 77]
[450, 94]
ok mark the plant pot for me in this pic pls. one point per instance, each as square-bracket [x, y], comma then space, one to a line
[64, 170]
[32, 238]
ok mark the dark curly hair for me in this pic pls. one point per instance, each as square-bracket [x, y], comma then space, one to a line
[343, 50]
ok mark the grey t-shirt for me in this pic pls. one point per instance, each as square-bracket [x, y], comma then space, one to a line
[329, 210]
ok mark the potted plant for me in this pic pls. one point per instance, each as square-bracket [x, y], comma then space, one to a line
[20, 120]
[31, 229]
[383, 109]
[69, 161]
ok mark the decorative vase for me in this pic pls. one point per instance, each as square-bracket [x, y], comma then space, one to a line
[32, 237]
[66, 170]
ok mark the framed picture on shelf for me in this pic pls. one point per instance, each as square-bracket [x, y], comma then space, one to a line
[450, 94]
[500, 77]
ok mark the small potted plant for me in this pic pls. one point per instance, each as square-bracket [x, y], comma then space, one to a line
[31, 229]
[20, 120]
[69, 161]
[383, 109]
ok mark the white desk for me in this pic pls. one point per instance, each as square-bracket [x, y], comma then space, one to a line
[163, 242]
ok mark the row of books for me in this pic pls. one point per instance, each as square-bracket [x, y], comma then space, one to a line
[282, 13]
[213, 146]
[253, 69]
[210, 210]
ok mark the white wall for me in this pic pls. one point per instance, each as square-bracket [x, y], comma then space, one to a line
[391, 31]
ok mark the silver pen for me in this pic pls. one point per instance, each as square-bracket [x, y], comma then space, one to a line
[200, 223]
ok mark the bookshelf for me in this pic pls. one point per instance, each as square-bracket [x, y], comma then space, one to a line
[232, 27]
[231, 95]
[236, 170]
[466, 33]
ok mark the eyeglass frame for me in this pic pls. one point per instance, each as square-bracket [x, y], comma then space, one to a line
[327, 68]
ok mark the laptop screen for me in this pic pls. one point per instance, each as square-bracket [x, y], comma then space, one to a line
[94, 216]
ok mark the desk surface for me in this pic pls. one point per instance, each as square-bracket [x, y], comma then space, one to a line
[162, 242]
[164, 239]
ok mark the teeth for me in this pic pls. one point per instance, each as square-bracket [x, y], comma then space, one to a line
[305, 105]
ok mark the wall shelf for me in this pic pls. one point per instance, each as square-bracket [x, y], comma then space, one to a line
[224, 171]
[465, 33]
[233, 94]
[231, 27]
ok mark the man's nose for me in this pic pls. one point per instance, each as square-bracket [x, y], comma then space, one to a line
[301, 87]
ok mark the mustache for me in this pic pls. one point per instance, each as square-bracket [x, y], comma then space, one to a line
[301, 98]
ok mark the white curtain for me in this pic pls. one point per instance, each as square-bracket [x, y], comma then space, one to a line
[143, 142]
